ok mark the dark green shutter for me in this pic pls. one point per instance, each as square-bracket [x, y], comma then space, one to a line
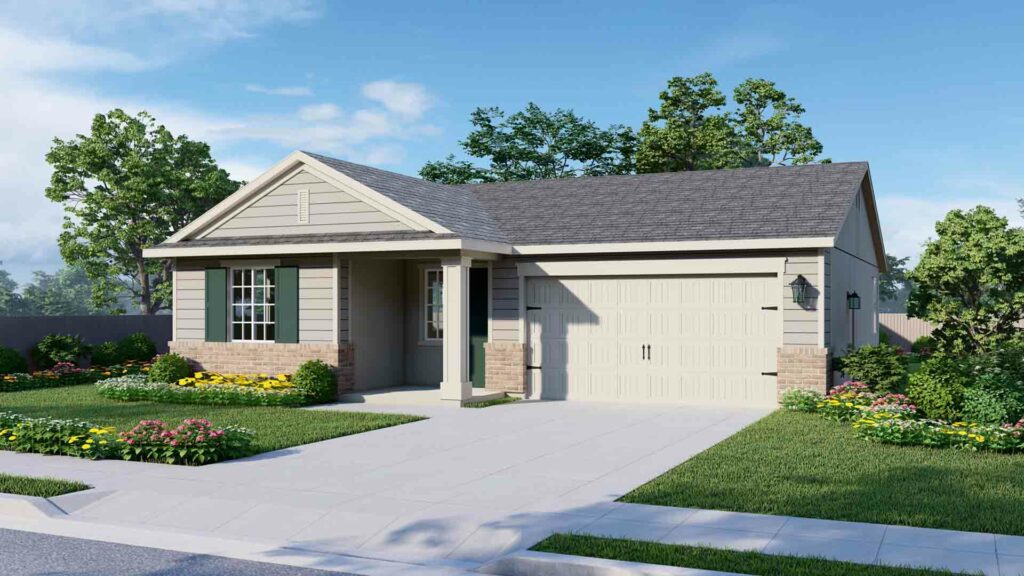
[216, 305]
[286, 300]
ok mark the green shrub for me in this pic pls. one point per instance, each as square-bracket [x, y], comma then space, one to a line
[984, 407]
[11, 361]
[937, 388]
[169, 368]
[106, 354]
[882, 367]
[801, 400]
[136, 346]
[316, 380]
[55, 348]
[924, 345]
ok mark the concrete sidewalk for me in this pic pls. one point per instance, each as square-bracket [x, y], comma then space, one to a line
[457, 490]
[992, 554]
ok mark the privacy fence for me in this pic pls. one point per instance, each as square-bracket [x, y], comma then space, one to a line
[23, 332]
[902, 330]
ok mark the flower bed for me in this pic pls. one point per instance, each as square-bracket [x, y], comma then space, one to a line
[193, 442]
[67, 374]
[894, 419]
[207, 388]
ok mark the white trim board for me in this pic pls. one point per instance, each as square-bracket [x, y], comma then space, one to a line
[693, 266]
[681, 246]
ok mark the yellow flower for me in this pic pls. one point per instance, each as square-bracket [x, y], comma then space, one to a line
[103, 441]
[11, 437]
[86, 446]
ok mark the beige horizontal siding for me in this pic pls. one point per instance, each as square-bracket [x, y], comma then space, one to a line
[504, 302]
[800, 321]
[331, 211]
[316, 305]
[189, 305]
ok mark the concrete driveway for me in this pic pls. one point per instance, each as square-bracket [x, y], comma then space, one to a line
[459, 489]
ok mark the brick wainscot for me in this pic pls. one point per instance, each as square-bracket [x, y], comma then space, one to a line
[269, 358]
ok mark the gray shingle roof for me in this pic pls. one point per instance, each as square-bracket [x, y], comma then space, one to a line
[315, 238]
[749, 203]
[453, 207]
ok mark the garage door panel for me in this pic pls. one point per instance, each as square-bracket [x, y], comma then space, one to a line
[709, 338]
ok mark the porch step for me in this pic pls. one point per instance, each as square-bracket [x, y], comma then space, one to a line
[410, 395]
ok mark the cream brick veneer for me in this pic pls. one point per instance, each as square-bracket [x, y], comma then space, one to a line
[803, 367]
[272, 358]
[505, 367]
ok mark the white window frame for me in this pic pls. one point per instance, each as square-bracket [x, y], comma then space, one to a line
[426, 305]
[252, 322]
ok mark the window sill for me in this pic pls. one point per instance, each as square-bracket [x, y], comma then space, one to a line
[430, 343]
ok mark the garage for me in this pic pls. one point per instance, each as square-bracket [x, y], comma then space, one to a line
[693, 338]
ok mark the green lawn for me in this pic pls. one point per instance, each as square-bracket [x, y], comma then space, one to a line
[274, 428]
[495, 402]
[715, 559]
[803, 465]
[38, 486]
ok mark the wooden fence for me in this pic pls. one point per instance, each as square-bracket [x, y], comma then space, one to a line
[902, 330]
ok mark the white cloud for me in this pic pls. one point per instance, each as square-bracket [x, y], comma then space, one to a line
[280, 91]
[319, 112]
[21, 53]
[737, 47]
[406, 99]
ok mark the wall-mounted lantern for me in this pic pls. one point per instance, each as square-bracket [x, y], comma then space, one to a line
[852, 301]
[799, 287]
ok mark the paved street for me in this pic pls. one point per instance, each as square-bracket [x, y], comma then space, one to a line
[30, 554]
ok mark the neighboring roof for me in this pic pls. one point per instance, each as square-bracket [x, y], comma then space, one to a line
[453, 207]
[747, 203]
[315, 238]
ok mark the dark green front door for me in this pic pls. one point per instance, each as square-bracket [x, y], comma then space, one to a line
[477, 324]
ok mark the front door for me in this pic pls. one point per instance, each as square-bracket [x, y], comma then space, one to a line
[477, 324]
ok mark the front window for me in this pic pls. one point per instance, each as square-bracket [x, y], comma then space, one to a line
[252, 304]
[433, 305]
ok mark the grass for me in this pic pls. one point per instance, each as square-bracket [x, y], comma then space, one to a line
[38, 486]
[803, 465]
[700, 557]
[274, 427]
[494, 402]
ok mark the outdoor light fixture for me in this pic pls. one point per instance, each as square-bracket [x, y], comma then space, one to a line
[799, 287]
[852, 301]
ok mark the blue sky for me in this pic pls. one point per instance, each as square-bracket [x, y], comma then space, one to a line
[931, 94]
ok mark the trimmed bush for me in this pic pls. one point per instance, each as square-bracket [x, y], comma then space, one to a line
[883, 368]
[106, 354]
[984, 407]
[937, 388]
[316, 379]
[11, 361]
[801, 400]
[55, 348]
[136, 346]
[169, 368]
[924, 346]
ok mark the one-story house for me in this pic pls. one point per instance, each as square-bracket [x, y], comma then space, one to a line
[718, 286]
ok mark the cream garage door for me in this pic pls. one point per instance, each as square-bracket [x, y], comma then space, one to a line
[699, 339]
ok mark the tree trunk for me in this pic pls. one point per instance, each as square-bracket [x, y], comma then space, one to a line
[145, 290]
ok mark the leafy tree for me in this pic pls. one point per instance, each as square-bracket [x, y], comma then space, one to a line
[688, 131]
[68, 292]
[768, 128]
[533, 144]
[10, 300]
[126, 186]
[692, 130]
[970, 280]
[894, 285]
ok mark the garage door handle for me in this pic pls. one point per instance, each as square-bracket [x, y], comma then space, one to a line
[769, 373]
[769, 307]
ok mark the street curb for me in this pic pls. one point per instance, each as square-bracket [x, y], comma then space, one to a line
[530, 563]
[29, 507]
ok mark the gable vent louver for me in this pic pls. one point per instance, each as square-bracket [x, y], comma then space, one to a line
[303, 206]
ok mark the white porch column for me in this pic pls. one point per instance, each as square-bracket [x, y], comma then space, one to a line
[456, 384]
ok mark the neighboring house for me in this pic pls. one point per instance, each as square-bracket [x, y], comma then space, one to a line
[673, 287]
